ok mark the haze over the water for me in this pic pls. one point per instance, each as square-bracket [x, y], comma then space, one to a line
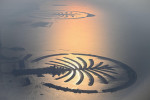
[31, 29]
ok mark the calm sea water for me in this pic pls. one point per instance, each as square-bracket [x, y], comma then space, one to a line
[115, 30]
